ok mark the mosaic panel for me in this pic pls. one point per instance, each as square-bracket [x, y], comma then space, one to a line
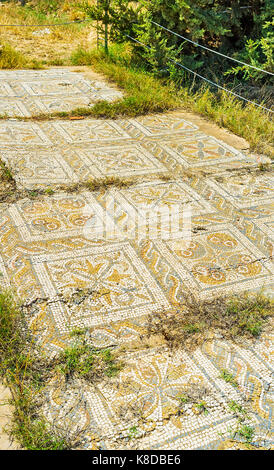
[125, 160]
[122, 286]
[22, 133]
[55, 87]
[64, 103]
[219, 261]
[157, 124]
[165, 194]
[88, 130]
[246, 190]
[56, 217]
[36, 168]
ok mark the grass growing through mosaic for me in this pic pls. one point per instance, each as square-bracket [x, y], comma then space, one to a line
[25, 374]
[7, 183]
[26, 371]
[233, 317]
[9, 192]
[5, 173]
[86, 361]
[229, 378]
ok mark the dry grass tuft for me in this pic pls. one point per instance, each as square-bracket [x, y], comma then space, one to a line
[12, 59]
[7, 184]
[190, 323]
[54, 47]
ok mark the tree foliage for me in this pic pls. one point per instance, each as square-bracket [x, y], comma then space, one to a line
[240, 29]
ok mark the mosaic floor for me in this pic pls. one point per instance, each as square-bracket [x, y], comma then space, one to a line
[27, 92]
[53, 245]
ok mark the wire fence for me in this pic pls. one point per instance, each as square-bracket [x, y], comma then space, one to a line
[206, 79]
[212, 50]
[171, 60]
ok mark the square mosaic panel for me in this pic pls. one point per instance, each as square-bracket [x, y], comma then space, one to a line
[158, 194]
[157, 124]
[122, 285]
[218, 261]
[246, 190]
[22, 134]
[155, 209]
[119, 160]
[61, 215]
[153, 382]
[198, 150]
[35, 168]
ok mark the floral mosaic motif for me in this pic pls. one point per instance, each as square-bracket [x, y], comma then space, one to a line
[126, 160]
[224, 258]
[118, 283]
[56, 217]
[247, 190]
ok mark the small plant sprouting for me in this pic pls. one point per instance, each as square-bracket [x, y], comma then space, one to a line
[184, 399]
[133, 431]
[229, 378]
[76, 332]
[49, 191]
[237, 408]
[246, 432]
[5, 172]
[202, 407]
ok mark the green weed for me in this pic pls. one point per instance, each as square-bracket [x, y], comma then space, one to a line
[25, 374]
[229, 378]
[88, 362]
[202, 407]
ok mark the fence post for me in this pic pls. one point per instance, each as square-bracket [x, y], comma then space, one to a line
[102, 26]
[106, 25]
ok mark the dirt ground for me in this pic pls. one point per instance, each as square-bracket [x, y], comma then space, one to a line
[5, 416]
